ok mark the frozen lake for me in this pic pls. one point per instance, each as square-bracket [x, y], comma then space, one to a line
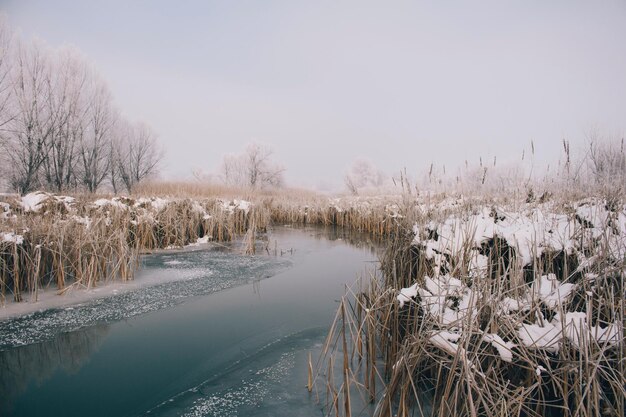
[207, 332]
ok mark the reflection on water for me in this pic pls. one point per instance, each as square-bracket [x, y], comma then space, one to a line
[204, 340]
[256, 286]
[353, 238]
[66, 352]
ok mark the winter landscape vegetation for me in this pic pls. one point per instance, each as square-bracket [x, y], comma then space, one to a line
[495, 288]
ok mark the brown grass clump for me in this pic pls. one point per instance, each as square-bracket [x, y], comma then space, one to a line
[70, 242]
[81, 243]
[452, 348]
[377, 216]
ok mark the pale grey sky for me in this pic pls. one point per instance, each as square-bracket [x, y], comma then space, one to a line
[325, 82]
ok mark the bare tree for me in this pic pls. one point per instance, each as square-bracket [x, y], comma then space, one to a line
[114, 160]
[233, 170]
[6, 112]
[607, 162]
[68, 107]
[363, 173]
[58, 126]
[27, 134]
[252, 168]
[137, 156]
[6, 55]
[95, 146]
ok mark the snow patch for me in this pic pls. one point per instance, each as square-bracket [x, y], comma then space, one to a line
[407, 294]
[12, 238]
[32, 202]
[545, 337]
[503, 348]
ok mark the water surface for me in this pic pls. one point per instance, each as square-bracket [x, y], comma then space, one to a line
[214, 334]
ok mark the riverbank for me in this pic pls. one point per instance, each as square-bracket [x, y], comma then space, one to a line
[495, 308]
[65, 242]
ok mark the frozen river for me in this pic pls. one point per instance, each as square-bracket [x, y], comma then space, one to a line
[207, 332]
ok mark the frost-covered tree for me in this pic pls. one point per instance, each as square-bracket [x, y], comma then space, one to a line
[68, 103]
[253, 168]
[58, 124]
[27, 134]
[95, 146]
[6, 55]
[363, 174]
[137, 155]
[607, 161]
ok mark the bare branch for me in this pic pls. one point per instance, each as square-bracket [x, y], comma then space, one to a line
[252, 168]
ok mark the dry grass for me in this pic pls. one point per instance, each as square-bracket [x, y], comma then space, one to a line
[83, 244]
[376, 352]
[404, 358]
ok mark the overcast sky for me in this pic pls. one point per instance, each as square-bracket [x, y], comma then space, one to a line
[403, 84]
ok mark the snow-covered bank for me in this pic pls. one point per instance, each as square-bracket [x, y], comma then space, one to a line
[48, 240]
[461, 256]
[64, 242]
[48, 298]
[501, 307]
[165, 279]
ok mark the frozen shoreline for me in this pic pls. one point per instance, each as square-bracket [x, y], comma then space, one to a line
[49, 298]
[163, 281]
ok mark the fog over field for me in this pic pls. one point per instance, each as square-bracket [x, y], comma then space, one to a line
[324, 83]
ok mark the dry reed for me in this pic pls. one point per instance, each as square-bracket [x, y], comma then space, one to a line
[82, 243]
[427, 365]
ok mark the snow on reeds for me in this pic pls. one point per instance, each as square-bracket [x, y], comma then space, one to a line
[70, 242]
[376, 215]
[67, 242]
[489, 306]
[490, 310]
